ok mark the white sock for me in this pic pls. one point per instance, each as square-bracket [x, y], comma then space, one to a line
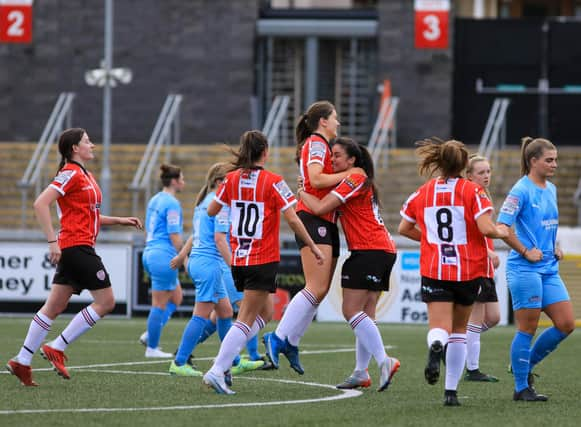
[81, 323]
[297, 317]
[37, 331]
[258, 324]
[231, 345]
[368, 334]
[362, 356]
[437, 334]
[455, 360]
[473, 346]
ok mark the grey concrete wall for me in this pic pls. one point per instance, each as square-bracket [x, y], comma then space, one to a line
[421, 78]
[203, 49]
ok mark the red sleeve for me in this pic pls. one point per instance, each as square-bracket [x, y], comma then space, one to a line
[285, 198]
[65, 181]
[408, 210]
[316, 151]
[480, 202]
[222, 196]
[351, 186]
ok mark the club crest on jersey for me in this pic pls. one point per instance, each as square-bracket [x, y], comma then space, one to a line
[101, 275]
[322, 231]
[350, 182]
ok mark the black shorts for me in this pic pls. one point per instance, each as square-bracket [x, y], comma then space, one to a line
[260, 277]
[463, 293]
[321, 231]
[81, 268]
[487, 291]
[368, 270]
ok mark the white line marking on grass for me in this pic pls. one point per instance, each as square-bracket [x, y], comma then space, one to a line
[153, 362]
[345, 394]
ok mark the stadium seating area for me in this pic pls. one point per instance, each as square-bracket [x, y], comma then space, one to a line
[395, 181]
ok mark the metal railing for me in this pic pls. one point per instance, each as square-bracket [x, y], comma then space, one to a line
[275, 128]
[495, 130]
[61, 111]
[384, 131]
[162, 135]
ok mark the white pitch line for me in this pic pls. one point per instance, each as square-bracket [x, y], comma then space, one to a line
[153, 362]
[345, 394]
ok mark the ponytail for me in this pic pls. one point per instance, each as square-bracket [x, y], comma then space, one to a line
[532, 148]
[308, 122]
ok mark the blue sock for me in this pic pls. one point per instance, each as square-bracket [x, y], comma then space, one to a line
[545, 343]
[208, 331]
[170, 309]
[520, 353]
[190, 339]
[223, 326]
[154, 326]
[252, 348]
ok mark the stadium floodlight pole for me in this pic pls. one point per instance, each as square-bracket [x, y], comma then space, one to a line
[107, 78]
[107, 64]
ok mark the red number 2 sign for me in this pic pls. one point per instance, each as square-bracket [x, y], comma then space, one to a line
[16, 21]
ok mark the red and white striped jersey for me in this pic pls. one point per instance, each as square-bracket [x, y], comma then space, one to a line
[451, 248]
[255, 198]
[362, 223]
[316, 149]
[78, 207]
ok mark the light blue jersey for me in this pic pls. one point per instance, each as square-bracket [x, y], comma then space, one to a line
[163, 217]
[535, 215]
[205, 226]
[210, 273]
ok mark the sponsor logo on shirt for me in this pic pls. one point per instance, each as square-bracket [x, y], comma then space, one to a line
[317, 149]
[510, 205]
[444, 188]
[283, 189]
[249, 179]
[64, 177]
[101, 275]
[549, 223]
[173, 218]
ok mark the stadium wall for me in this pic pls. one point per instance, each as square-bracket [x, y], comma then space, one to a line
[203, 49]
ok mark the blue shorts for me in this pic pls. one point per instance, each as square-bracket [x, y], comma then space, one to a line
[233, 295]
[208, 277]
[156, 264]
[530, 289]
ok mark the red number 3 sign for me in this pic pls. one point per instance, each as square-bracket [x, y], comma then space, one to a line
[431, 26]
[16, 21]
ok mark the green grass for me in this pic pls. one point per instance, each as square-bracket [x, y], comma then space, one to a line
[141, 384]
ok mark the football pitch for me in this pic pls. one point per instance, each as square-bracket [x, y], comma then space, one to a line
[113, 384]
